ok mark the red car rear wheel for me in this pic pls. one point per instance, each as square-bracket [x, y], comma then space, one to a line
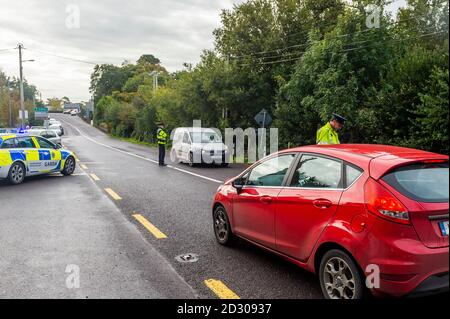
[340, 277]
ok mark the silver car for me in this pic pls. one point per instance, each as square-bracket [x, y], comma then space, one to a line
[50, 135]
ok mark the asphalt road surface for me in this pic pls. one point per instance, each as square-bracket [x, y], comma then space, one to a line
[123, 220]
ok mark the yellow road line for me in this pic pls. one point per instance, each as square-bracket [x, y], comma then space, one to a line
[94, 177]
[113, 194]
[83, 166]
[149, 226]
[220, 289]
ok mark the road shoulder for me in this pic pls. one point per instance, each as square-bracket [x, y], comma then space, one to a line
[43, 243]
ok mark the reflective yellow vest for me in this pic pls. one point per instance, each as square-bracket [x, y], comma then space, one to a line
[327, 135]
[162, 137]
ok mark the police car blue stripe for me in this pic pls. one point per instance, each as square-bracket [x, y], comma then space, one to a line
[44, 155]
[17, 155]
[64, 155]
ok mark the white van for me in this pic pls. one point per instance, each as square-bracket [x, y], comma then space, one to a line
[198, 146]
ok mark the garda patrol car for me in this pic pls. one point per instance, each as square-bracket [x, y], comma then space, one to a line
[23, 155]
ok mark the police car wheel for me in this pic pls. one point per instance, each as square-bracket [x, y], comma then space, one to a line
[69, 166]
[222, 227]
[16, 174]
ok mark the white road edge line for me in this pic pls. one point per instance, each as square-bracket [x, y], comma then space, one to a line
[142, 157]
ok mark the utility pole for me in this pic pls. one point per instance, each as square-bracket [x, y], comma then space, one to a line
[22, 98]
[155, 74]
[93, 110]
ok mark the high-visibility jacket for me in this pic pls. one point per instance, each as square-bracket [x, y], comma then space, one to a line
[327, 135]
[161, 136]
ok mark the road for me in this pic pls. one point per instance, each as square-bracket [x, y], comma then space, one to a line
[123, 214]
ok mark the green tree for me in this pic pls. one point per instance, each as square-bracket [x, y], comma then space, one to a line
[148, 58]
[335, 75]
[430, 128]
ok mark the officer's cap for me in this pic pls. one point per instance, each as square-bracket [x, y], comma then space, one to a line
[340, 119]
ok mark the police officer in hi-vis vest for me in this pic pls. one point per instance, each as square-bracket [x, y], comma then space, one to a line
[328, 134]
[161, 136]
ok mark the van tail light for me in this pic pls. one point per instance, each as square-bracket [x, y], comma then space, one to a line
[384, 204]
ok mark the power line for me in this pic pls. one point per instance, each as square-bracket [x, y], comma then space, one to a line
[342, 51]
[299, 52]
[6, 50]
[64, 57]
[308, 43]
[295, 53]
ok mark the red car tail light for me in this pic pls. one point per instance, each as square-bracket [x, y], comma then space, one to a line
[381, 202]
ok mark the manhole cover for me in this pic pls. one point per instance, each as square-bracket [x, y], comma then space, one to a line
[187, 258]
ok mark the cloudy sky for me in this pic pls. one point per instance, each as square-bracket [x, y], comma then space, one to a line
[110, 31]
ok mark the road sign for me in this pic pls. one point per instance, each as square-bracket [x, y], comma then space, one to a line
[26, 115]
[40, 112]
[263, 118]
[41, 109]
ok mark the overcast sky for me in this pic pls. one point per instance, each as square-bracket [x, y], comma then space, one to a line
[110, 31]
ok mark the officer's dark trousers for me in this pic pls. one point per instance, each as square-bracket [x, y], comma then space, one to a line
[162, 154]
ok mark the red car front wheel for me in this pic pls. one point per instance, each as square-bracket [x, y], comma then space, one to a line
[222, 227]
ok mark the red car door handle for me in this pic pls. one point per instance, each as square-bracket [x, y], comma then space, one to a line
[322, 203]
[266, 199]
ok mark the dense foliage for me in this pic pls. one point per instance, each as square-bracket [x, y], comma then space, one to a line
[302, 60]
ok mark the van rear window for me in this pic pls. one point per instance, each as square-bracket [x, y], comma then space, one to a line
[428, 183]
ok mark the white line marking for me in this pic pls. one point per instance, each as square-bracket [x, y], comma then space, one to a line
[93, 163]
[60, 175]
[142, 157]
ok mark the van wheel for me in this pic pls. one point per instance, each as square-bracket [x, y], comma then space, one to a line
[16, 174]
[174, 157]
[69, 166]
[191, 160]
[340, 277]
[222, 227]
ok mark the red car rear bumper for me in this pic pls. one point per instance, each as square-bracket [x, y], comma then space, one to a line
[406, 265]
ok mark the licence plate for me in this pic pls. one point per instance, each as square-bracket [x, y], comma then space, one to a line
[444, 228]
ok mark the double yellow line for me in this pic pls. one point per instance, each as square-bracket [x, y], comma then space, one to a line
[113, 194]
[95, 177]
[216, 286]
[141, 219]
[220, 289]
[150, 227]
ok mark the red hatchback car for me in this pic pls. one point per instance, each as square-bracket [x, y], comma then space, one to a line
[363, 217]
